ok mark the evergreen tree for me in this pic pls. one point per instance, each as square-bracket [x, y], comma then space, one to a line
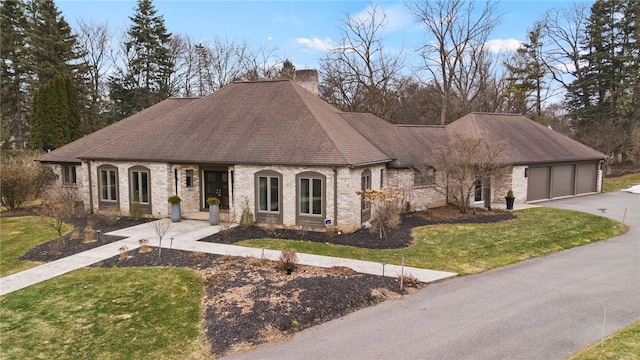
[526, 75]
[53, 48]
[13, 102]
[146, 79]
[604, 102]
[55, 113]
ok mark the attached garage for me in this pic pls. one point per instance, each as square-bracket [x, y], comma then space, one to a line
[560, 180]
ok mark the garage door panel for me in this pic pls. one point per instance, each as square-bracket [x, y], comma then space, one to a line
[563, 180]
[538, 184]
[587, 178]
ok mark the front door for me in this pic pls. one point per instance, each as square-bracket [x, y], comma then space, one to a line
[216, 184]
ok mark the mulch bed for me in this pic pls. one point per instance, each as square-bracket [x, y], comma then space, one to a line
[249, 301]
[54, 249]
[399, 237]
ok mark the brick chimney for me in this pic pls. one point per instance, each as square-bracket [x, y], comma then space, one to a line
[308, 79]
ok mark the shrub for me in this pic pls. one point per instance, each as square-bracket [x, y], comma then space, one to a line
[174, 199]
[246, 218]
[144, 246]
[22, 179]
[386, 207]
[213, 201]
[287, 260]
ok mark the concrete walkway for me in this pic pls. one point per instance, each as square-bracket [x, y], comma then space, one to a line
[183, 235]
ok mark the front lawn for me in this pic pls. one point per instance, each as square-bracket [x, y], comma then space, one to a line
[135, 313]
[474, 248]
[623, 345]
[19, 235]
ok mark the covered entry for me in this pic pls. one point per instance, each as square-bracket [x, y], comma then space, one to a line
[216, 184]
[560, 180]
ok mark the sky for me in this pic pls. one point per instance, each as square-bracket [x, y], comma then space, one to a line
[300, 31]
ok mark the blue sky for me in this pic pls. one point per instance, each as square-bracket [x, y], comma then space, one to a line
[299, 30]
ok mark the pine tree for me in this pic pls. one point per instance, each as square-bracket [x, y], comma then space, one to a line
[55, 113]
[13, 99]
[526, 75]
[53, 47]
[145, 81]
[604, 102]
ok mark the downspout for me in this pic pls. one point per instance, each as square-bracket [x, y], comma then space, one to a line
[90, 187]
[335, 196]
[175, 178]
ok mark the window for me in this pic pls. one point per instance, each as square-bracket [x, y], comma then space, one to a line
[139, 181]
[424, 177]
[108, 184]
[310, 196]
[268, 194]
[366, 184]
[189, 178]
[69, 174]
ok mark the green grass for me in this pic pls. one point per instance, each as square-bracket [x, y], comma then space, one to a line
[622, 182]
[623, 345]
[474, 248]
[117, 313]
[18, 235]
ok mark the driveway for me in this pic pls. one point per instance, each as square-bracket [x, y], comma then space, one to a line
[545, 308]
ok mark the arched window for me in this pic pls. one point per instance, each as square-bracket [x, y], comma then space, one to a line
[310, 199]
[268, 185]
[108, 184]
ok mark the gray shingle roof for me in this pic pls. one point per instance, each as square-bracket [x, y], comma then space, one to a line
[267, 122]
[279, 122]
[527, 142]
[70, 153]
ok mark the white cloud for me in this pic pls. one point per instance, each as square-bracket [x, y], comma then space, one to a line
[269, 38]
[500, 45]
[396, 16]
[317, 43]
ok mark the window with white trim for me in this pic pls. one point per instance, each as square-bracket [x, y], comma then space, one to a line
[139, 181]
[310, 196]
[108, 184]
[269, 194]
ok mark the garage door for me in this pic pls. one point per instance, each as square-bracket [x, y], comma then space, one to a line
[539, 183]
[548, 182]
[563, 180]
[587, 178]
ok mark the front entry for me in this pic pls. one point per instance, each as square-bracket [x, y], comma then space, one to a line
[216, 184]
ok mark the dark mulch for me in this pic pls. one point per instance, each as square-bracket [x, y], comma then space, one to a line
[399, 237]
[44, 252]
[250, 301]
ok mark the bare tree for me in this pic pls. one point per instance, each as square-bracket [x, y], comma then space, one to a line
[160, 227]
[565, 31]
[360, 74]
[454, 50]
[462, 162]
[260, 63]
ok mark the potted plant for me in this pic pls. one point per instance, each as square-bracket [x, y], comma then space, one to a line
[510, 199]
[214, 210]
[175, 200]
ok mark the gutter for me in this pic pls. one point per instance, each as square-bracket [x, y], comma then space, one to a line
[335, 196]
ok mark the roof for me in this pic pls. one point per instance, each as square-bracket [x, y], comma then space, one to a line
[406, 145]
[526, 141]
[281, 123]
[70, 153]
[264, 122]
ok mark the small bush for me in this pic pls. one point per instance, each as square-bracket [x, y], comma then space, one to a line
[246, 218]
[288, 260]
[144, 246]
[195, 255]
[123, 252]
[75, 234]
[409, 281]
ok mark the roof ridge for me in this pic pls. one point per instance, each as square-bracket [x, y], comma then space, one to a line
[143, 125]
[297, 89]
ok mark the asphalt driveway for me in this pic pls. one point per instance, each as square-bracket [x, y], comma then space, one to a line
[545, 308]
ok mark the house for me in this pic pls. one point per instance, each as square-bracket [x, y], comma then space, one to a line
[293, 160]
